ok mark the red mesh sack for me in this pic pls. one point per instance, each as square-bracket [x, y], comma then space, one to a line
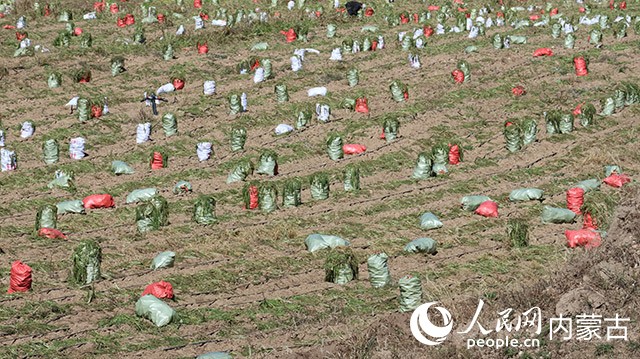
[159, 290]
[129, 19]
[290, 35]
[518, 91]
[96, 111]
[612, 4]
[405, 95]
[157, 162]
[98, 6]
[454, 154]
[47, 10]
[583, 238]
[488, 209]
[427, 31]
[374, 45]
[120, 22]
[202, 49]
[433, 8]
[197, 4]
[580, 65]
[534, 17]
[458, 76]
[623, 5]
[382, 137]
[204, 16]
[353, 149]
[77, 31]
[20, 280]
[8, 27]
[20, 35]
[577, 110]
[404, 19]
[617, 180]
[368, 12]
[114, 9]
[98, 201]
[415, 18]
[544, 51]
[588, 222]
[160, 18]
[51, 233]
[553, 12]
[253, 197]
[361, 105]
[255, 65]
[575, 199]
[582, 10]
[178, 84]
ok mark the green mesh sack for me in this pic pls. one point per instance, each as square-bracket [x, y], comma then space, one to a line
[497, 42]
[62, 40]
[390, 128]
[552, 122]
[608, 106]
[319, 186]
[54, 80]
[429, 220]
[353, 77]
[268, 163]
[620, 30]
[282, 95]
[50, 151]
[86, 41]
[526, 194]
[424, 167]
[351, 178]
[557, 215]
[65, 16]
[566, 123]
[471, 203]
[366, 44]
[117, 65]
[315, 242]
[517, 40]
[234, 104]
[398, 91]
[604, 22]
[348, 104]
[556, 29]
[466, 69]
[440, 154]
[169, 124]
[595, 38]
[267, 197]
[470, 49]
[406, 43]
[167, 52]
[589, 185]
[47, 217]
[334, 147]
[182, 187]
[141, 195]
[63, 180]
[85, 263]
[421, 245]
[331, 30]
[303, 118]
[340, 266]
[378, 270]
[144, 218]
[632, 94]
[238, 138]
[154, 309]
[73, 206]
[121, 168]
[83, 109]
[529, 131]
[347, 45]
[268, 68]
[139, 38]
[587, 115]
[163, 260]
[569, 41]
[204, 210]
[410, 293]
[291, 193]
[619, 97]
[241, 171]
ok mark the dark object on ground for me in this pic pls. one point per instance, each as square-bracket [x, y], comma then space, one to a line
[353, 7]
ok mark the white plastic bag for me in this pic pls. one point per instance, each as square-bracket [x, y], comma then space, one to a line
[76, 148]
[209, 87]
[317, 91]
[1, 138]
[105, 107]
[299, 53]
[27, 130]
[203, 149]
[243, 102]
[283, 128]
[468, 24]
[401, 35]
[7, 160]
[440, 29]
[356, 47]
[296, 64]
[22, 23]
[25, 43]
[258, 76]
[89, 16]
[166, 88]
[143, 131]
[73, 103]
[474, 32]
[291, 4]
[336, 4]
[336, 54]
[199, 23]
[323, 112]
[180, 30]
[380, 43]
[417, 33]
[414, 61]
[219, 22]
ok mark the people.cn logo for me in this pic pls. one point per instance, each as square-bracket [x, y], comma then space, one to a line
[420, 324]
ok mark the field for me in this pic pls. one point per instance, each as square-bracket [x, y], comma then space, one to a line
[247, 284]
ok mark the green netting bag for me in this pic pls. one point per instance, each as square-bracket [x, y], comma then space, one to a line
[54, 80]
[72, 206]
[268, 163]
[552, 122]
[595, 37]
[63, 180]
[620, 30]
[86, 41]
[163, 260]
[167, 52]
[378, 270]
[141, 195]
[291, 193]
[238, 138]
[466, 69]
[351, 178]
[608, 106]
[23, 51]
[50, 151]
[117, 65]
[398, 91]
[353, 76]
[121, 168]
[604, 22]
[347, 45]
[267, 197]
[587, 115]
[632, 94]
[556, 28]
[406, 43]
[390, 128]
[529, 131]
[366, 44]
[340, 266]
[282, 95]
[216, 355]
[204, 210]
[319, 186]
[619, 97]
[517, 40]
[145, 218]
[334, 147]
[589, 185]
[471, 203]
[440, 154]
[348, 104]
[315, 242]
[85, 263]
[47, 217]
[139, 38]
[526, 194]
[424, 167]
[331, 30]
[497, 42]
[182, 187]
[62, 40]
[429, 220]
[410, 293]
[470, 49]
[566, 123]
[235, 105]
[303, 118]
[83, 109]
[557, 215]
[169, 124]
[241, 171]
[513, 137]
[154, 309]
[421, 245]
[569, 41]
[268, 68]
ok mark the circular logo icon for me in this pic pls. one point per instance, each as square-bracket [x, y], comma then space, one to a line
[420, 323]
